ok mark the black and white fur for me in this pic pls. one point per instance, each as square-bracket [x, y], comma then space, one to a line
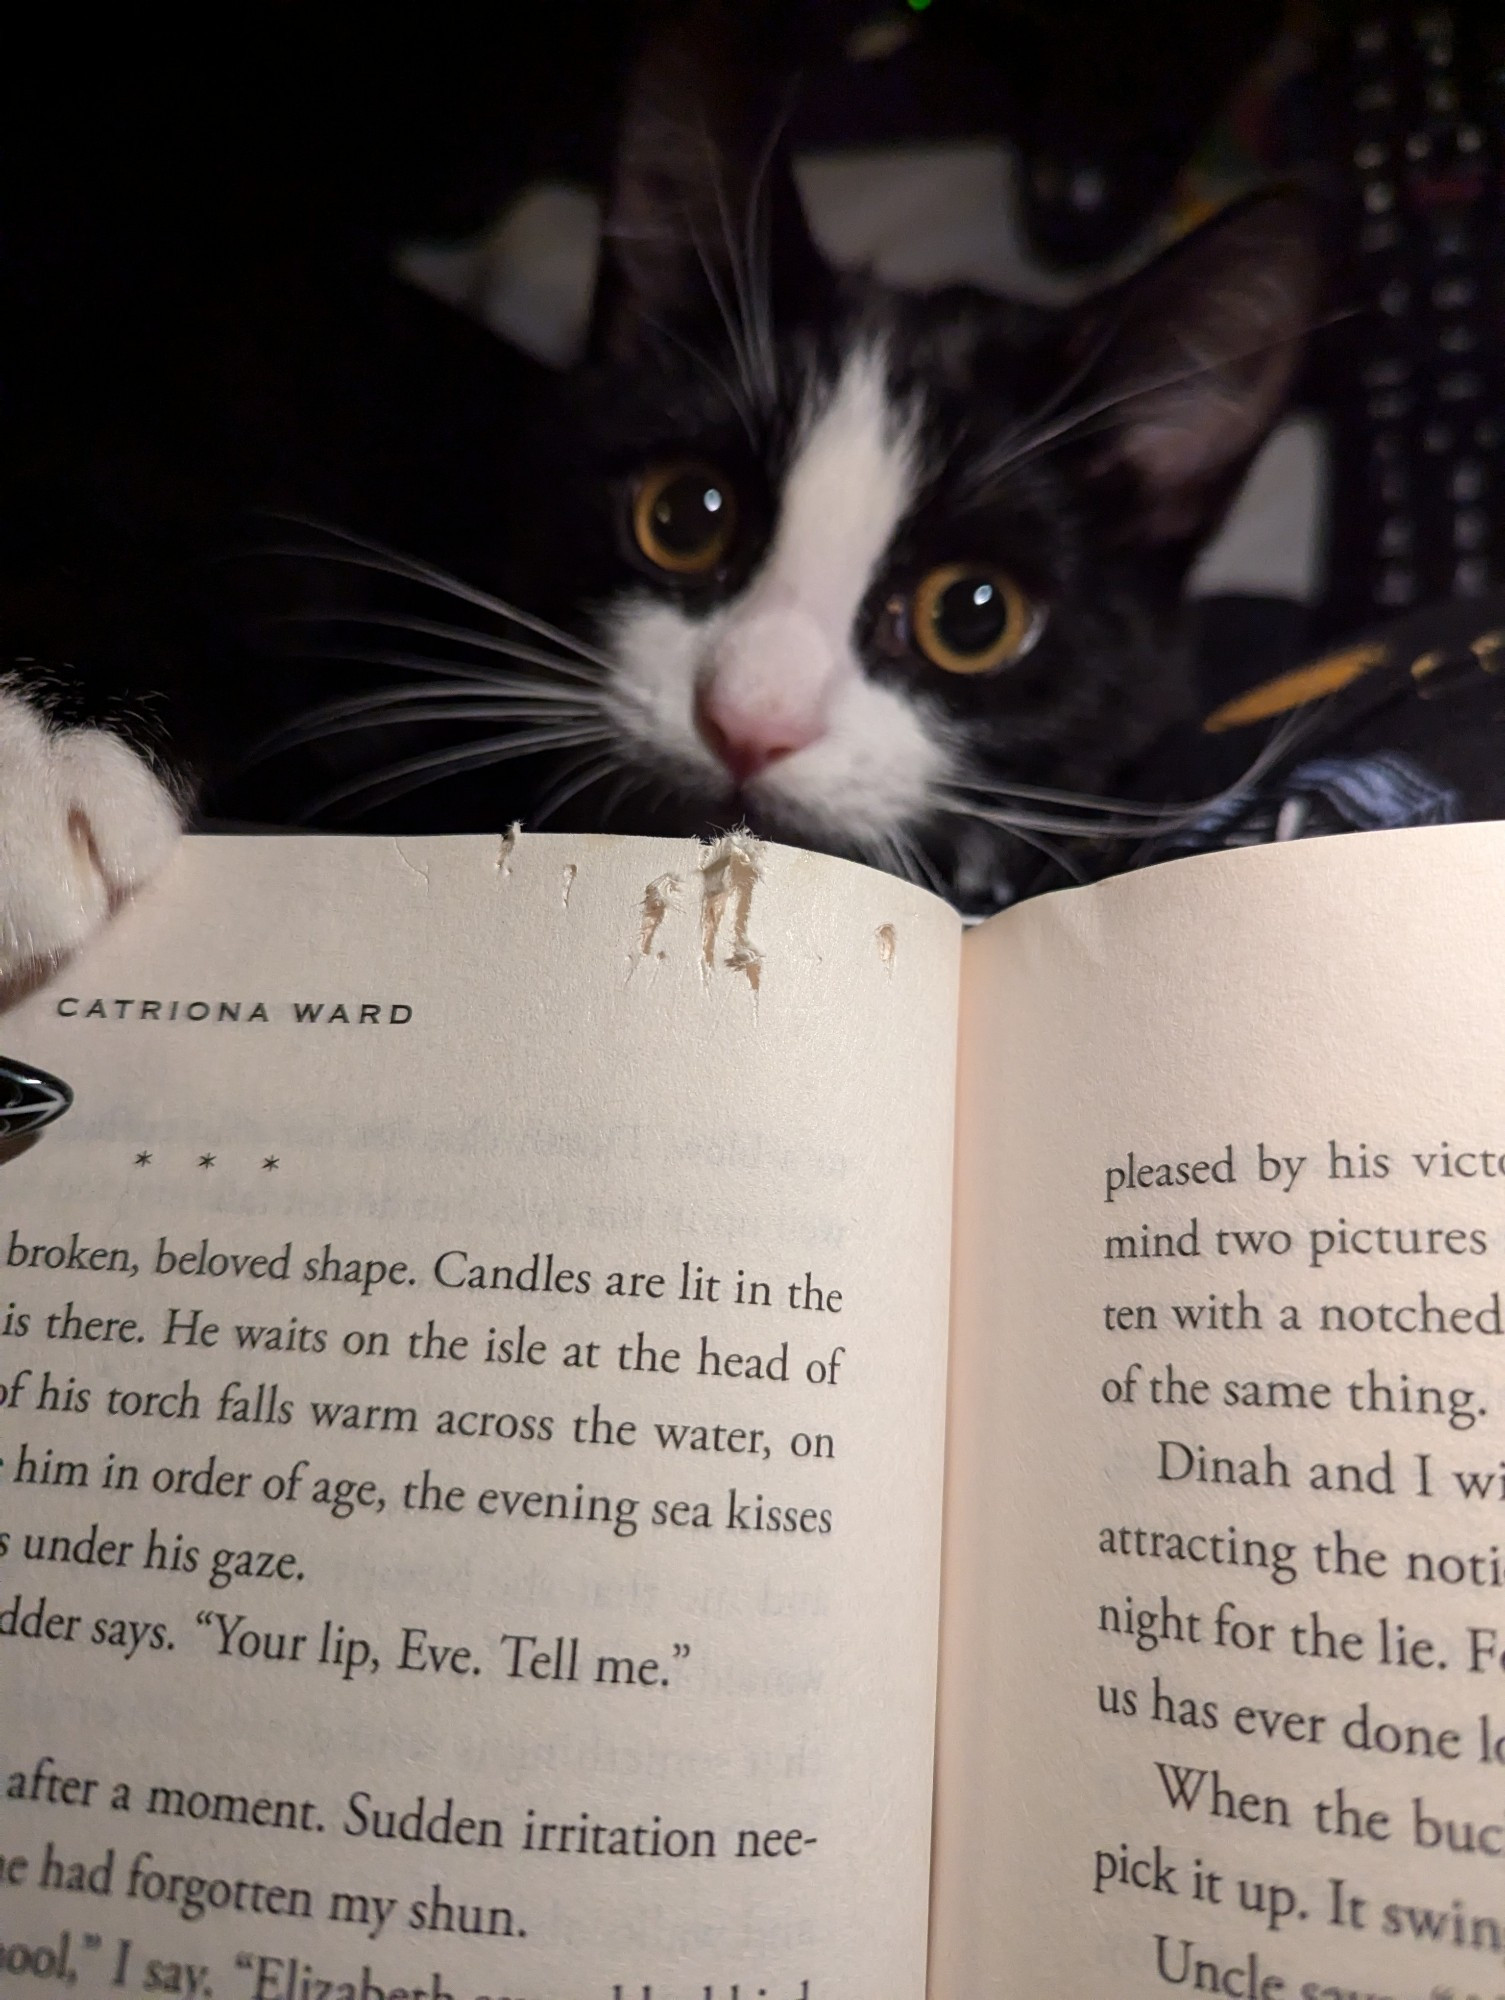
[869, 436]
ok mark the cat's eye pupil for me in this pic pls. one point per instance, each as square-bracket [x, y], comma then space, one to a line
[684, 518]
[685, 514]
[967, 619]
[971, 616]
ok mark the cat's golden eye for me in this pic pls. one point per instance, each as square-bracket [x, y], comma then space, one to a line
[683, 517]
[970, 619]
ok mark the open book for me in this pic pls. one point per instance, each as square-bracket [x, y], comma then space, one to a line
[601, 1419]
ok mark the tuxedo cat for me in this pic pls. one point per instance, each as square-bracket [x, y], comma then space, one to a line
[889, 575]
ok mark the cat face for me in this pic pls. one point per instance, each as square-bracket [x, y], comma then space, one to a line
[746, 657]
[869, 568]
[844, 627]
[868, 571]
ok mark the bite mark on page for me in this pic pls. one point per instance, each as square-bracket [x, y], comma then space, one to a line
[658, 901]
[729, 873]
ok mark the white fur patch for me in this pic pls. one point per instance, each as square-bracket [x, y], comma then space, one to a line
[83, 822]
[850, 479]
[780, 658]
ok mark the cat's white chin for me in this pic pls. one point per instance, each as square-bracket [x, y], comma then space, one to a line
[84, 822]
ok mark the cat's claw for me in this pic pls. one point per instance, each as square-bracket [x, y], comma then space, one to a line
[84, 821]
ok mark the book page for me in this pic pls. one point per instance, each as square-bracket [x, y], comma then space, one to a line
[472, 1369]
[1224, 1709]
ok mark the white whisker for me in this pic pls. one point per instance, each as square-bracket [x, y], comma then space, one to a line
[1026, 824]
[728, 319]
[1067, 387]
[451, 672]
[574, 781]
[757, 240]
[528, 656]
[1043, 795]
[926, 874]
[1062, 860]
[1016, 450]
[415, 570]
[746, 346]
[900, 863]
[1017, 819]
[584, 688]
[885, 849]
[377, 787]
[702, 360]
[507, 691]
[629, 782]
[351, 719]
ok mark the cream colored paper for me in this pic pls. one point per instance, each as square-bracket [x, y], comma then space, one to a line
[1338, 1001]
[537, 1057]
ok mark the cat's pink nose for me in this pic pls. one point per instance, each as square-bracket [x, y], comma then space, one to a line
[748, 744]
[765, 696]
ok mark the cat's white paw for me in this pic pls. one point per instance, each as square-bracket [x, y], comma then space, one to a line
[83, 822]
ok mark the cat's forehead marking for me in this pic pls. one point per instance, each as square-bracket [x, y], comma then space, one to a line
[849, 482]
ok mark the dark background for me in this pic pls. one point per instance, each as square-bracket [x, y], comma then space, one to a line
[201, 317]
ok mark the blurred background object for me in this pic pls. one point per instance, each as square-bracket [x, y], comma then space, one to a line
[325, 259]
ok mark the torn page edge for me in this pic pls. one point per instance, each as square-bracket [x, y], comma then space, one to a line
[729, 872]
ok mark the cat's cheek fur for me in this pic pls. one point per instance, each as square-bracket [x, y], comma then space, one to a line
[658, 651]
[84, 821]
[872, 774]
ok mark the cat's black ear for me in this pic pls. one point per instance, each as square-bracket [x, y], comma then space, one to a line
[1194, 357]
[702, 215]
